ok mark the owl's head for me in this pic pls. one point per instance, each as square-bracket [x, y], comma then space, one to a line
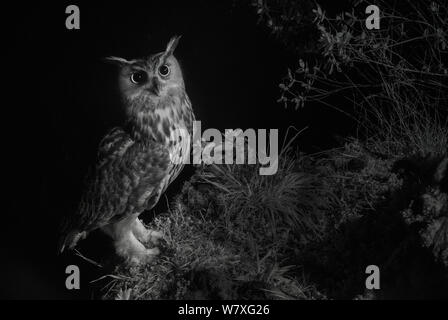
[151, 78]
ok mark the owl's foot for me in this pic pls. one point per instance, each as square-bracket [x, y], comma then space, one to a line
[145, 235]
[127, 235]
[134, 251]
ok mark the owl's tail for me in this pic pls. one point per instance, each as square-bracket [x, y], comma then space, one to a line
[71, 239]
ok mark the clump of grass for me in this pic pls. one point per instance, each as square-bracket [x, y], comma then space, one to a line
[411, 127]
[266, 209]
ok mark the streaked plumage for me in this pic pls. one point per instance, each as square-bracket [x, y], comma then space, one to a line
[137, 162]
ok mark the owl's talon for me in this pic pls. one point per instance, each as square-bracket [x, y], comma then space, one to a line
[147, 256]
[149, 236]
[155, 236]
[145, 235]
[153, 251]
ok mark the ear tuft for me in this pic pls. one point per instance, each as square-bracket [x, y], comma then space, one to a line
[172, 44]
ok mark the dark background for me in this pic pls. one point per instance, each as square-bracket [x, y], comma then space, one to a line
[60, 98]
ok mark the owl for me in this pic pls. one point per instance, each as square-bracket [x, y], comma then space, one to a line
[137, 161]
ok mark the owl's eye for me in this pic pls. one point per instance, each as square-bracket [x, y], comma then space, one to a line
[139, 77]
[164, 70]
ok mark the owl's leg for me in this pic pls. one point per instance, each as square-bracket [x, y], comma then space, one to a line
[143, 234]
[127, 245]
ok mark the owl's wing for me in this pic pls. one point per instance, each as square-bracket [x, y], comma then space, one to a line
[114, 144]
[129, 175]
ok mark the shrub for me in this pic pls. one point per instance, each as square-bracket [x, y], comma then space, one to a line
[395, 78]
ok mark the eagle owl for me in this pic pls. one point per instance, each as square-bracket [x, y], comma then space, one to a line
[137, 161]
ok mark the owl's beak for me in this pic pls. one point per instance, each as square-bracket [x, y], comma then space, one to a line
[154, 87]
